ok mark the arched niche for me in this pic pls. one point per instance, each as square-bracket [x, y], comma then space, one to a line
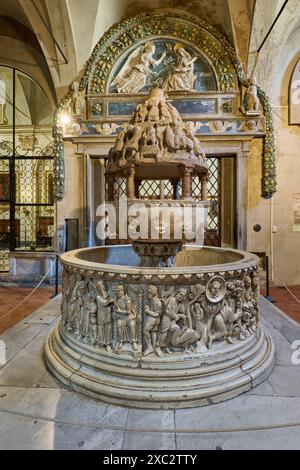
[204, 77]
[96, 110]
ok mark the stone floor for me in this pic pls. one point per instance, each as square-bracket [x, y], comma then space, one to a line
[36, 412]
[285, 301]
[11, 296]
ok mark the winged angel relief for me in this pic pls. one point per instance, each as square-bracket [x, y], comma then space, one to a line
[134, 73]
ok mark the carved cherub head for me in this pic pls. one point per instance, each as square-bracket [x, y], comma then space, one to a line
[215, 289]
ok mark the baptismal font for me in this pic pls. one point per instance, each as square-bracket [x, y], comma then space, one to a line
[156, 145]
[160, 323]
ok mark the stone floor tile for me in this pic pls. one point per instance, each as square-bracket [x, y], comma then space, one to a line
[263, 389]
[151, 419]
[271, 439]
[286, 381]
[148, 441]
[195, 441]
[23, 371]
[194, 418]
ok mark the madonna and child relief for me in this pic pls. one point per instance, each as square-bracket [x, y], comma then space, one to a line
[167, 64]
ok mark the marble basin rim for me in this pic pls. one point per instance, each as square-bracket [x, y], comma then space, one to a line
[86, 258]
[168, 376]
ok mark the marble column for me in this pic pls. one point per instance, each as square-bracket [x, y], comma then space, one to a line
[186, 183]
[162, 189]
[130, 183]
[242, 198]
[85, 200]
[204, 188]
[91, 195]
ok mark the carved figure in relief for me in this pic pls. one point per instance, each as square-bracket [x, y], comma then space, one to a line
[219, 126]
[153, 113]
[175, 115]
[118, 147]
[249, 313]
[215, 289]
[255, 289]
[182, 336]
[76, 100]
[104, 316]
[93, 329]
[170, 138]
[125, 318]
[88, 310]
[182, 313]
[153, 311]
[73, 322]
[80, 307]
[131, 142]
[180, 139]
[168, 316]
[136, 70]
[197, 147]
[251, 126]
[165, 114]
[248, 296]
[141, 112]
[134, 137]
[213, 304]
[239, 328]
[182, 77]
[182, 333]
[160, 131]
[189, 145]
[150, 136]
[175, 328]
[251, 100]
[195, 310]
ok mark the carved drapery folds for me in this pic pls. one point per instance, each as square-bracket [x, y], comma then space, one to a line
[159, 319]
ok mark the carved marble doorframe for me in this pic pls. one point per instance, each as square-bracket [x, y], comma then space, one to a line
[239, 149]
[91, 185]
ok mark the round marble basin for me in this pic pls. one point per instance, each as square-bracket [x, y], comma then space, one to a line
[191, 256]
[160, 337]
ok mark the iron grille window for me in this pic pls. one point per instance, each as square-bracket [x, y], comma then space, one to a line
[118, 186]
[27, 218]
[213, 232]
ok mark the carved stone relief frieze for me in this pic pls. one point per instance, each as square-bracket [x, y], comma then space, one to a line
[159, 319]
